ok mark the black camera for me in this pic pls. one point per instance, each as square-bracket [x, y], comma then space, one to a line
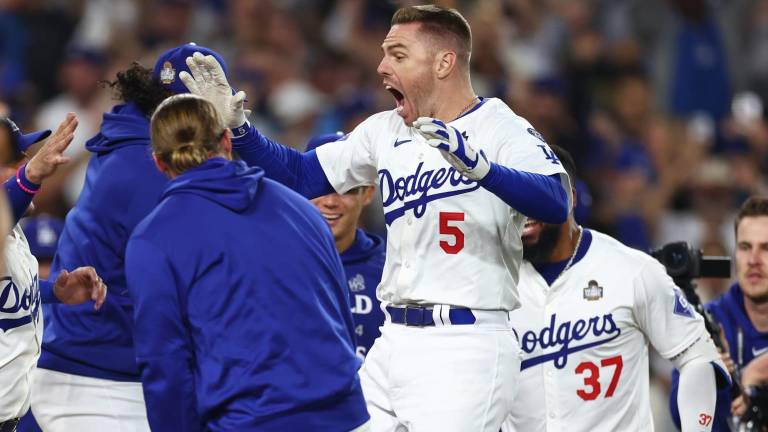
[685, 263]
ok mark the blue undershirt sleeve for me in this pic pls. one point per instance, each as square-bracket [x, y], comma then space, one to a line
[18, 199]
[47, 295]
[301, 172]
[537, 196]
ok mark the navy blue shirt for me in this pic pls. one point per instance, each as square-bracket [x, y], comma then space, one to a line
[363, 265]
[242, 315]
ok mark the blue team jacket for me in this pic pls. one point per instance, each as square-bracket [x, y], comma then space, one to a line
[242, 317]
[363, 264]
[728, 310]
[122, 186]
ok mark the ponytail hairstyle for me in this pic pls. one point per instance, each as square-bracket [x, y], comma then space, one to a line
[186, 131]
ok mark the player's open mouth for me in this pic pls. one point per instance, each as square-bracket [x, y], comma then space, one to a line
[399, 97]
[331, 217]
[531, 226]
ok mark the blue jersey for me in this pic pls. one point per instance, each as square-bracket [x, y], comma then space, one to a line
[745, 343]
[242, 318]
[363, 264]
[122, 185]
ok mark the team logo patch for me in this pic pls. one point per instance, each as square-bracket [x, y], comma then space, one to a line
[593, 291]
[167, 73]
[357, 283]
[682, 307]
[464, 134]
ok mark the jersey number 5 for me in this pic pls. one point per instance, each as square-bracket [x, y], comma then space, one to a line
[593, 379]
[451, 230]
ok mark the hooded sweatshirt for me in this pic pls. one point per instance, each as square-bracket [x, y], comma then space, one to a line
[122, 186]
[363, 265]
[242, 317]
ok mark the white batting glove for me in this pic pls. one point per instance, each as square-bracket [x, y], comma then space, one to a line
[209, 81]
[455, 149]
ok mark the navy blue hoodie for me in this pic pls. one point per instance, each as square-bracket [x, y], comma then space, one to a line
[242, 317]
[122, 186]
[363, 264]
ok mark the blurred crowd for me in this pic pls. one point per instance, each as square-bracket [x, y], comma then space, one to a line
[660, 101]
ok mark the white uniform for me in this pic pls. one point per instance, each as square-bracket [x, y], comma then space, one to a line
[450, 243]
[585, 340]
[21, 325]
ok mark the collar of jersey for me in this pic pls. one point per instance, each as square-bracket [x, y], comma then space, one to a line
[474, 108]
[550, 271]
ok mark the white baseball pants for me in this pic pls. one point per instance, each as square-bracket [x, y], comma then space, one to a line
[65, 402]
[443, 378]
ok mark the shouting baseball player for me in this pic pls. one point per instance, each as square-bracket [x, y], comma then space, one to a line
[458, 175]
[590, 305]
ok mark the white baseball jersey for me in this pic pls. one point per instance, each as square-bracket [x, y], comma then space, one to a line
[585, 339]
[21, 325]
[450, 241]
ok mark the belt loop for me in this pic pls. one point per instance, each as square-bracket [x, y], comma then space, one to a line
[436, 311]
[445, 314]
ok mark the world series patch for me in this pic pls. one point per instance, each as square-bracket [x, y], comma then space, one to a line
[593, 291]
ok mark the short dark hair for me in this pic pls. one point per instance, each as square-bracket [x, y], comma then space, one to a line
[753, 206]
[567, 160]
[440, 21]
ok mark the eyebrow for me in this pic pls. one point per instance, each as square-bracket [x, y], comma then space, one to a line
[392, 46]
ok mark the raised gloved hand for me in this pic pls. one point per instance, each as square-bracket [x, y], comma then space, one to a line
[455, 149]
[209, 81]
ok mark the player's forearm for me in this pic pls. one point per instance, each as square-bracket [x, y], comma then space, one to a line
[697, 396]
[20, 192]
[299, 171]
[537, 196]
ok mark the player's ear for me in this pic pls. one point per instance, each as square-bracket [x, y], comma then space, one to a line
[226, 144]
[445, 62]
[575, 198]
[367, 195]
[161, 166]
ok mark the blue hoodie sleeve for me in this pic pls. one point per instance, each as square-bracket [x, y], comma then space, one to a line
[301, 172]
[163, 349]
[537, 196]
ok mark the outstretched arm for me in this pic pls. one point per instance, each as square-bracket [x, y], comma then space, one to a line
[537, 196]
[300, 172]
[22, 187]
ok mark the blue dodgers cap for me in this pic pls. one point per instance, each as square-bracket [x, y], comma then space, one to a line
[20, 140]
[318, 140]
[173, 61]
[42, 233]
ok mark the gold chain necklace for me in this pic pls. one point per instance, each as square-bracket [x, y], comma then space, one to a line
[472, 102]
[573, 256]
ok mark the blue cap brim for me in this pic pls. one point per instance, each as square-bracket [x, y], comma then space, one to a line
[27, 140]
